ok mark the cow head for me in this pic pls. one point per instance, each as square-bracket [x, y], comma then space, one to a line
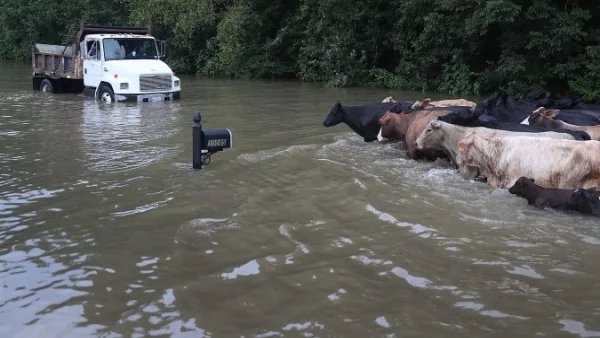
[544, 117]
[431, 137]
[418, 105]
[522, 186]
[389, 99]
[336, 115]
[388, 126]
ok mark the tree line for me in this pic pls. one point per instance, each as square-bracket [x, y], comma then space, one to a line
[452, 46]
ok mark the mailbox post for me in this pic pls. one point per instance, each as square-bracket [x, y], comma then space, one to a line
[198, 141]
[207, 143]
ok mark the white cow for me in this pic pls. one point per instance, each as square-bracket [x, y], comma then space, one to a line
[440, 135]
[443, 103]
[552, 163]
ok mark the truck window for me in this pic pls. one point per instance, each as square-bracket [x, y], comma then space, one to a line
[92, 49]
[129, 49]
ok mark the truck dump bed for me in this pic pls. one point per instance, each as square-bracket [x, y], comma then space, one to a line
[56, 61]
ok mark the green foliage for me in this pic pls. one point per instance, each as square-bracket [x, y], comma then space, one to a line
[23, 23]
[588, 84]
[455, 46]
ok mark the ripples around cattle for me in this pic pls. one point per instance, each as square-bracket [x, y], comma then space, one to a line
[299, 230]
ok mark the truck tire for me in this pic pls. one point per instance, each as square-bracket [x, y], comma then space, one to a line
[46, 86]
[106, 94]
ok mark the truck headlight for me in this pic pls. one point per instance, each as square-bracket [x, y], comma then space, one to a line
[176, 83]
[124, 85]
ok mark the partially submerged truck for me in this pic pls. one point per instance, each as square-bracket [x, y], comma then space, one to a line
[107, 63]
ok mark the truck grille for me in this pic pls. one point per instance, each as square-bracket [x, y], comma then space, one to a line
[150, 82]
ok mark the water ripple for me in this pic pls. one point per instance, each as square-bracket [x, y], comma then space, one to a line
[298, 230]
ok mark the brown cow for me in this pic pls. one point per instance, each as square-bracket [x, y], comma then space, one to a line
[552, 163]
[408, 127]
[545, 118]
[443, 103]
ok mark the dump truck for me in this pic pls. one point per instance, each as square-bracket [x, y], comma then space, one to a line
[107, 63]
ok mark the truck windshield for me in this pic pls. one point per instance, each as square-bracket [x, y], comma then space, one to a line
[129, 49]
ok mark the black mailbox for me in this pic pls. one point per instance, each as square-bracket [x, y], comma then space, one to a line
[208, 142]
[217, 139]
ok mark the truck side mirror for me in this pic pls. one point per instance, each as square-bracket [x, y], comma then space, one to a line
[162, 46]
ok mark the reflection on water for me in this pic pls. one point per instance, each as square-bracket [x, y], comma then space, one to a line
[299, 230]
[124, 139]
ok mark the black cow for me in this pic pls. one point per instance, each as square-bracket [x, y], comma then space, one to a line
[364, 119]
[579, 117]
[506, 108]
[473, 119]
[586, 201]
[545, 99]
[541, 197]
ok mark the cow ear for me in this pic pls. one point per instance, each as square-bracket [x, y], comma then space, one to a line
[463, 144]
[426, 103]
[539, 111]
[416, 105]
[550, 113]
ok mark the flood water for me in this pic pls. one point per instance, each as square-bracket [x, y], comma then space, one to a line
[299, 230]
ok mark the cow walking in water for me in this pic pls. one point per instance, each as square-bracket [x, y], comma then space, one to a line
[439, 135]
[363, 120]
[418, 105]
[541, 197]
[564, 164]
[546, 118]
[585, 201]
[408, 127]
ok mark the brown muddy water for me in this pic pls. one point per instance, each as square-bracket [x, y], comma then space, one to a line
[298, 231]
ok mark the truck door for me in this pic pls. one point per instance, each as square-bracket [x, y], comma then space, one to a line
[92, 64]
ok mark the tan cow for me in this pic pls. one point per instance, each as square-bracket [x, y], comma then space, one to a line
[440, 135]
[552, 163]
[443, 103]
[407, 127]
[545, 118]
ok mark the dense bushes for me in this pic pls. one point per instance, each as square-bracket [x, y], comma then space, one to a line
[454, 46]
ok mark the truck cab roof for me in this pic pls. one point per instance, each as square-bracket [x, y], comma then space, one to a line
[102, 32]
[117, 36]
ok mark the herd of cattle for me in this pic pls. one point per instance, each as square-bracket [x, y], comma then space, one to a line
[542, 149]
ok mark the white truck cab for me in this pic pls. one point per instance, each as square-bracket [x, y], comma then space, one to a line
[109, 64]
[125, 67]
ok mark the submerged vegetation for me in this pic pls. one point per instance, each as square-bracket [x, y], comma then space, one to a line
[453, 46]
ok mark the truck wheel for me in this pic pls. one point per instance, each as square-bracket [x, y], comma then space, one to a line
[46, 86]
[106, 94]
